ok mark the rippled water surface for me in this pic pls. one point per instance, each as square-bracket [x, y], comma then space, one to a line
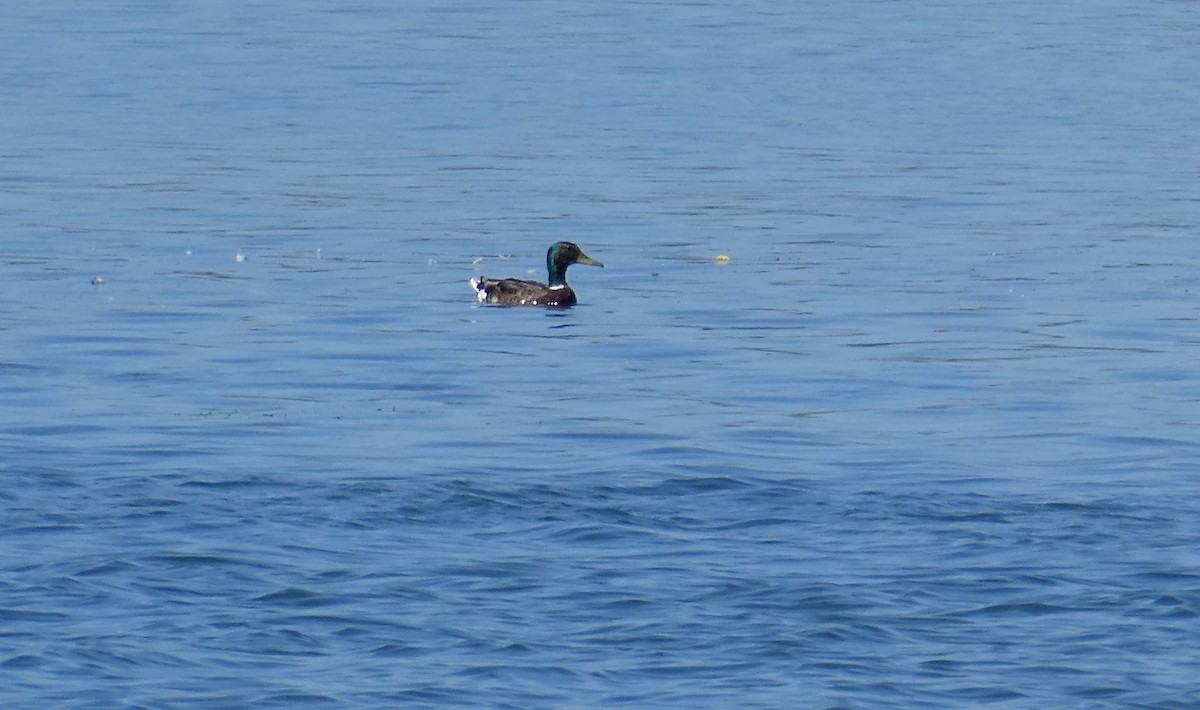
[928, 439]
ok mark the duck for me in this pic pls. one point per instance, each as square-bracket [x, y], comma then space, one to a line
[553, 294]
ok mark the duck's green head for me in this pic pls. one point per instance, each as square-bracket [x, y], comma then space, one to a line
[560, 256]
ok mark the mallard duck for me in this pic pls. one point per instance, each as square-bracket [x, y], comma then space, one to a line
[555, 293]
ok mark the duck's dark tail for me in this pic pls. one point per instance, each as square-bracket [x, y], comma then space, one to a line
[480, 286]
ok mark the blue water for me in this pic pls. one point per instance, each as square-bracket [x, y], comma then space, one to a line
[928, 439]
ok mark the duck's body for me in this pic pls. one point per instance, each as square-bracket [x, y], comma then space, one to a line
[515, 292]
[555, 293]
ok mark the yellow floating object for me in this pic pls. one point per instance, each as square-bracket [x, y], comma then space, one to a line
[721, 258]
